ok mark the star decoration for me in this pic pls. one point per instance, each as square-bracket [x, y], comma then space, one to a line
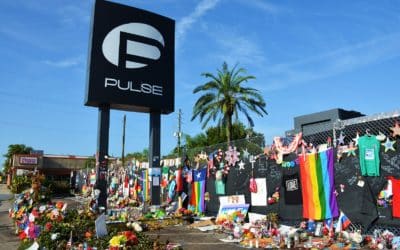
[202, 155]
[232, 156]
[339, 153]
[246, 154]
[198, 175]
[341, 138]
[396, 129]
[356, 139]
[388, 144]
[381, 136]
[351, 150]
[241, 165]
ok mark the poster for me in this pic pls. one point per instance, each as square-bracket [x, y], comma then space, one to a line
[232, 212]
[260, 198]
[232, 199]
[253, 217]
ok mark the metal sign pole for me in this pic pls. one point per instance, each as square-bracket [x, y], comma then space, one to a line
[102, 151]
[154, 156]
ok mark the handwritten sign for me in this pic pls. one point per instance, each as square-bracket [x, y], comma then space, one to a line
[232, 199]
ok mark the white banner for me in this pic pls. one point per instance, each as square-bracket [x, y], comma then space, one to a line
[260, 198]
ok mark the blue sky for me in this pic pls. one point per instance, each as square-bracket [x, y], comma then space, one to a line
[308, 56]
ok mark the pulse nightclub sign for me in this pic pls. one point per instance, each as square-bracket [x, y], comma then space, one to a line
[130, 67]
[131, 59]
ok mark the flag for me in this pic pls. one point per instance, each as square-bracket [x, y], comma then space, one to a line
[198, 190]
[342, 223]
[329, 224]
[145, 185]
[164, 177]
[345, 221]
[179, 180]
[317, 179]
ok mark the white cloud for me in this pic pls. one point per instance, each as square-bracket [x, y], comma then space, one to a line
[239, 49]
[64, 63]
[341, 60]
[186, 22]
[263, 5]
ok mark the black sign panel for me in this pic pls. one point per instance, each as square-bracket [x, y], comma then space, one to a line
[131, 59]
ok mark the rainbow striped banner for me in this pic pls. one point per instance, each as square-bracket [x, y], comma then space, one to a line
[317, 179]
[198, 190]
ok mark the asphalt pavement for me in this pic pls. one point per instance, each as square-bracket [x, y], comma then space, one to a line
[187, 237]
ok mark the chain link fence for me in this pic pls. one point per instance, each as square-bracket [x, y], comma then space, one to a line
[347, 130]
[253, 145]
[374, 124]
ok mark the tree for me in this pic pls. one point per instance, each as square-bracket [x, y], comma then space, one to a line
[225, 97]
[12, 150]
[139, 156]
[214, 138]
[217, 135]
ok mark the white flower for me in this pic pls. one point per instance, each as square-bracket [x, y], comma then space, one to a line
[54, 236]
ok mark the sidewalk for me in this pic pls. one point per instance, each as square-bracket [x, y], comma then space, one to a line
[7, 237]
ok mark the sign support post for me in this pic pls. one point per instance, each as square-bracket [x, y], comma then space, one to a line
[131, 67]
[154, 156]
[102, 151]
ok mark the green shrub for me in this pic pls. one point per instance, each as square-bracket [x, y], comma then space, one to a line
[20, 183]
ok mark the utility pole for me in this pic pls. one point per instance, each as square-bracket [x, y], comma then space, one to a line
[179, 133]
[123, 141]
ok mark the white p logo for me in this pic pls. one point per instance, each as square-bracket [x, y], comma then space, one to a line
[133, 45]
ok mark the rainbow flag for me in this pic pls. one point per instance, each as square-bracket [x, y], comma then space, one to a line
[317, 178]
[198, 190]
[145, 186]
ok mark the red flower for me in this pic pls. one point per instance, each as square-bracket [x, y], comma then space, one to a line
[48, 226]
[59, 205]
[88, 234]
[131, 238]
[22, 235]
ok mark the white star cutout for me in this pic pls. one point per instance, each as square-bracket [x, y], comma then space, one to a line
[356, 139]
[341, 138]
[246, 154]
[241, 165]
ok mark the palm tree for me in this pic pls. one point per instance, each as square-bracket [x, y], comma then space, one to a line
[12, 150]
[224, 98]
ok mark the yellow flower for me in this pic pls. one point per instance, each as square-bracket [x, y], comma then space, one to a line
[117, 240]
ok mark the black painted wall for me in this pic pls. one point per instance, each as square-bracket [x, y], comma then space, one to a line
[358, 203]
